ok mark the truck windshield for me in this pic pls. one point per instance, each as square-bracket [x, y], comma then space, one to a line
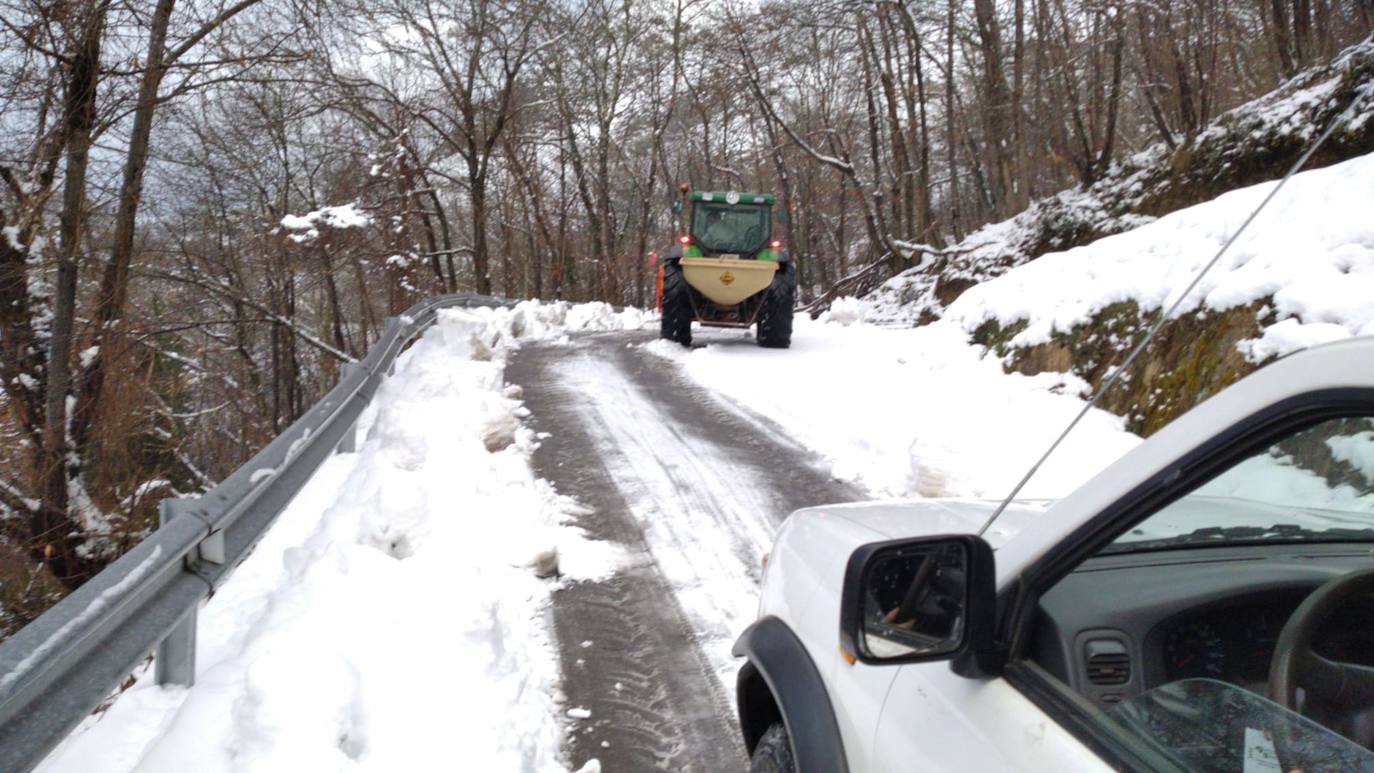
[1316, 485]
[740, 229]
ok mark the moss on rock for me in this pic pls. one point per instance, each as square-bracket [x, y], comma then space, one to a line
[992, 335]
[1192, 358]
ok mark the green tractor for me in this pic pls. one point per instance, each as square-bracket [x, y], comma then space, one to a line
[727, 270]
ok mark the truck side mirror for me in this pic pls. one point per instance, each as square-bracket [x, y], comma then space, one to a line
[918, 600]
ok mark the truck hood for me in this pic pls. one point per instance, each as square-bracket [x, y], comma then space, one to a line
[806, 566]
[904, 518]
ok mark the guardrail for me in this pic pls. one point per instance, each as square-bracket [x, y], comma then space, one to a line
[57, 669]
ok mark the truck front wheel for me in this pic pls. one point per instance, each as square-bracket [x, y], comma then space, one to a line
[773, 754]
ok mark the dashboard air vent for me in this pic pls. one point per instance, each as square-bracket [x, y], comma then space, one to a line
[1108, 662]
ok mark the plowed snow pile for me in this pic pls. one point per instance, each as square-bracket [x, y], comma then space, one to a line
[392, 619]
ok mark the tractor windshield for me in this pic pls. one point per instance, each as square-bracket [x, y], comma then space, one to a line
[722, 228]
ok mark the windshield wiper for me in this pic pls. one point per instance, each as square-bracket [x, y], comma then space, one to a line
[1232, 535]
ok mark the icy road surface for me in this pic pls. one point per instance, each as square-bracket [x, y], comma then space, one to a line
[693, 487]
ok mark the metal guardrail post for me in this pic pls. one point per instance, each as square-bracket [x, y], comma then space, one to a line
[175, 662]
[349, 442]
[389, 326]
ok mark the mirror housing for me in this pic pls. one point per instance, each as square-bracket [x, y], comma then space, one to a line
[919, 600]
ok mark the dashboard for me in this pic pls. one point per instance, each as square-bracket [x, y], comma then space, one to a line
[1123, 624]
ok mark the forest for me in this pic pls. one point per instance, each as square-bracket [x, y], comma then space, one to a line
[209, 206]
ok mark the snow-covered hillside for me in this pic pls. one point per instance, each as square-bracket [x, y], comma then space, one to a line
[1247, 145]
[1309, 255]
[1302, 274]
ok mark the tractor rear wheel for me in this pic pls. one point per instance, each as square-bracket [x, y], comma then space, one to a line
[775, 319]
[676, 321]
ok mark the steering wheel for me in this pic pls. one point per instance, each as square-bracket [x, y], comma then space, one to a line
[1333, 683]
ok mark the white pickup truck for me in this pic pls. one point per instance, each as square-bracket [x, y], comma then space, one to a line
[1204, 603]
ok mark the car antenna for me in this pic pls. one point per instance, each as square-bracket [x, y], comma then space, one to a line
[1166, 314]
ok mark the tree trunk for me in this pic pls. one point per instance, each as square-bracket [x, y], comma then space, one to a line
[446, 243]
[997, 114]
[1302, 33]
[951, 135]
[1104, 159]
[51, 524]
[1187, 113]
[331, 288]
[114, 284]
[478, 193]
[903, 193]
[1282, 41]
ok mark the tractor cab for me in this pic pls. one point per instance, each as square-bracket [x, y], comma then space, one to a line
[731, 224]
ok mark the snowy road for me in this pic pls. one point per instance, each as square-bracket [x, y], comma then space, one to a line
[693, 488]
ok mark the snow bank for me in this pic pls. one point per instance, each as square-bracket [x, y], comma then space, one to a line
[844, 311]
[393, 618]
[1312, 250]
[910, 412]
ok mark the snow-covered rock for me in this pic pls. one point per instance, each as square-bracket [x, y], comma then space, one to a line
[1311, 251]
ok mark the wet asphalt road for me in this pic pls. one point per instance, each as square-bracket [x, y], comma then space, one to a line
[692, 488]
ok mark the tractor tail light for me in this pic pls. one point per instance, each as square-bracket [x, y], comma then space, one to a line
[775, 244]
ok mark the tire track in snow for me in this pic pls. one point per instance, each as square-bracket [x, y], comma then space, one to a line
[706, 517]
[695, 488]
